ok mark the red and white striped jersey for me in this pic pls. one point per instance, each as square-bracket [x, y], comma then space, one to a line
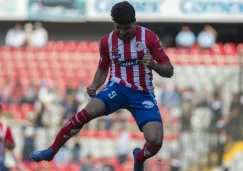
[125, 58]
[5, 135]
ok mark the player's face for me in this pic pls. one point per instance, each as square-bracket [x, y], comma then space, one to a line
[125, 31]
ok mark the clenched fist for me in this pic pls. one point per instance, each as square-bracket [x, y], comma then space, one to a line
[148, 59]
[91, 90]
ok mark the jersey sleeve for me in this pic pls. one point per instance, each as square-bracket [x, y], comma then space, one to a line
[104, 61]
[9, 136]
[156, 49]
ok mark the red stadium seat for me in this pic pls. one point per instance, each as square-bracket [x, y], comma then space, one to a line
[82, 46]
[240, 48]
[71, 46]
[194, 56]
[94, 47]
[75, 167]
[136, 135]
[207, 57]
[183, 57]
[230, 49]
[5, 107]
[50, 46]
[171, 52]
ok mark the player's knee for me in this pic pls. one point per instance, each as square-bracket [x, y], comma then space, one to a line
[95, 108]
[155, 137]
[153, 133]
[155, 140]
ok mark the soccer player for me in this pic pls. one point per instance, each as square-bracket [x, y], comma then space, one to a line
[6, 141]
[131, 52]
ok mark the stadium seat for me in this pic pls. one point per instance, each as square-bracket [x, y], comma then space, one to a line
[194, 55]
[94, 47]
[82, 46]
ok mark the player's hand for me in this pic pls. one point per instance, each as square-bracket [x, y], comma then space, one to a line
[91, 90]
[148, 59]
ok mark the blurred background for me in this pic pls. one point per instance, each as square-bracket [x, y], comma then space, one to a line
[49, 53]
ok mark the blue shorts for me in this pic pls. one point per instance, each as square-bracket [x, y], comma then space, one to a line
[142, 105]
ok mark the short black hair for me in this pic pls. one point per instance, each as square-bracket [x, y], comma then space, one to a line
[123, 13]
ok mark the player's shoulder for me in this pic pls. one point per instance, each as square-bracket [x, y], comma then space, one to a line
[104, 39]
[104, 43]
[150, 35]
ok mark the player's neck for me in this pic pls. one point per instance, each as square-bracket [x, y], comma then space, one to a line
[133, 34]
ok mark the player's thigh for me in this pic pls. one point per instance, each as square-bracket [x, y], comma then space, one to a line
[144, 109]
[95, 108]
[111, 98]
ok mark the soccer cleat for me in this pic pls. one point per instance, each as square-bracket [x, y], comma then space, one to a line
[137, 167]
[46, 155]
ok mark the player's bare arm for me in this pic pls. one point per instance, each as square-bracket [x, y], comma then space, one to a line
[100, 77]
[99, 80]
[164, 70]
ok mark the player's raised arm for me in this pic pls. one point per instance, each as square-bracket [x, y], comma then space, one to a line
[102, 70]
[162, 65]
[99, 80]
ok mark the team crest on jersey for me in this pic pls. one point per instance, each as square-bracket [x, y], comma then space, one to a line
[139, 46]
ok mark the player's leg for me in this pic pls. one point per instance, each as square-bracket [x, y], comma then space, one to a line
[95, 108]
[105, 102]
[153, 134]
[146, 113]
